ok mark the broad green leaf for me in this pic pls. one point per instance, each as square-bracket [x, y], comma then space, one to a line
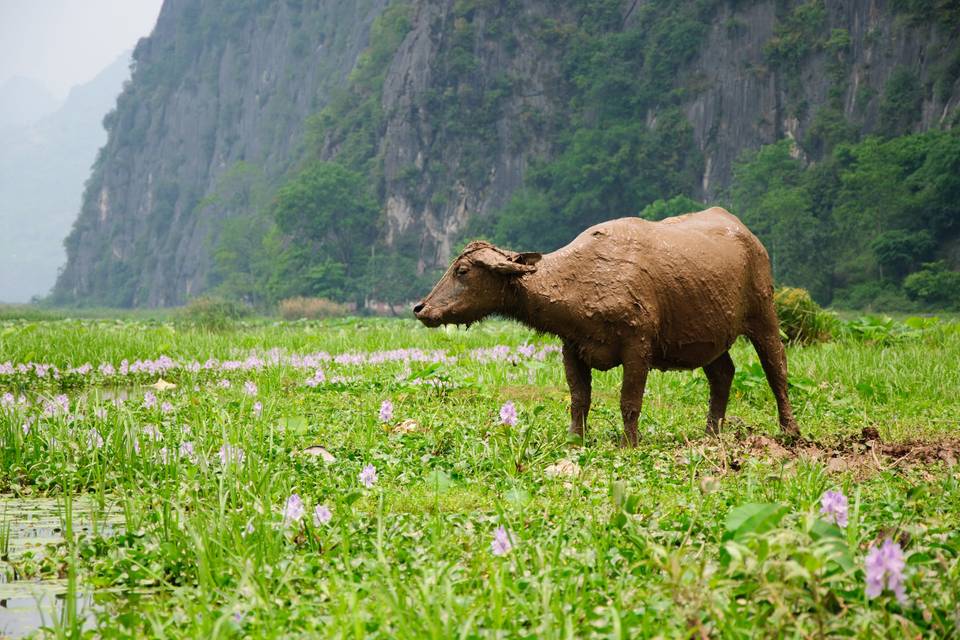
[438, 480]
[753, 517]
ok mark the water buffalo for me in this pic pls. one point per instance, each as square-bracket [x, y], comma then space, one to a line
[673, 294]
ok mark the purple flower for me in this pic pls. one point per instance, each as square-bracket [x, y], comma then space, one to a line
[224, 384]
[501, 545]
[152, 432]
[100, 413]
[186, 451]
[250, 388]
[386, 411]
[319, 377]
[887, 562]
[257, 409]
[94, 439]
[230, 454]
[833, 506]
[166, 407]
[322, 515]
[368, 477]
[293, 510]
[508, 413]
[149, 400]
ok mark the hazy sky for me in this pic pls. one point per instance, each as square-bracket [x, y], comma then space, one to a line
[63, 43]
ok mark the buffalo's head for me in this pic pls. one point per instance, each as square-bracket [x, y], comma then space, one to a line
[474, 286]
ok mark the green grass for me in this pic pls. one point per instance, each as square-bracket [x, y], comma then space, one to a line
[642, 543]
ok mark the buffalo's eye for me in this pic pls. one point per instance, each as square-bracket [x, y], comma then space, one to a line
[462, 269]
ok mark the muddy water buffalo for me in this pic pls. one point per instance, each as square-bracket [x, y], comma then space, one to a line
[673, 294]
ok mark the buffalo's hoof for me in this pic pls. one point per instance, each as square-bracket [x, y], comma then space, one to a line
[574, 439]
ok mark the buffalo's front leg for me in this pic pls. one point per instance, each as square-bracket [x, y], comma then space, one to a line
[579, 379]
[635, 368]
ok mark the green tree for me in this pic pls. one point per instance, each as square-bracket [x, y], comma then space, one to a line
[330, 217]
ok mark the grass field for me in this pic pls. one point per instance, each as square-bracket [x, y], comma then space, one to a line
[242, 501]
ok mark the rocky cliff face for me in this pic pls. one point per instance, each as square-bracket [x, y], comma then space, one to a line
[216, 83]
[747, 99]
[474, 94]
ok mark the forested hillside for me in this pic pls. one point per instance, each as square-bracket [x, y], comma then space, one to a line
[345, 150]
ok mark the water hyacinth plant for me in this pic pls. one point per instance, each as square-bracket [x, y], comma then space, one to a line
[386, 411]
[508, 414]
[293, 509]
[322, 515]
[833, 507]
[368, 476]
[501, 545]
[884, 568]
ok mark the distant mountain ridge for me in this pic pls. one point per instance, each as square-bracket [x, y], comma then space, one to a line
[43, 168]
[24, 101]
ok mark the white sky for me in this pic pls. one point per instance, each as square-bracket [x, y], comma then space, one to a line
[62, 43]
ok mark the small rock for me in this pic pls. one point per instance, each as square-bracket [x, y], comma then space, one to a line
[407, 426]
[318, 451]
[163, 385]
[563, 469]
[709, 484]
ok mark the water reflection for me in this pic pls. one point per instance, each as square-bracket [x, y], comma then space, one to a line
[28, 525]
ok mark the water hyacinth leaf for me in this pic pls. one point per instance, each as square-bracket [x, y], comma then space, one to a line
[352, 497]
[753, 517]
[618, 490]
[517, 497]
[438, 480]
[293, 424]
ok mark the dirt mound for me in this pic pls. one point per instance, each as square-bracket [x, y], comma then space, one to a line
[863, 454]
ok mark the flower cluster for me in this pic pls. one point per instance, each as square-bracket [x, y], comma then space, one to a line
[884, 565]
[508, 414]
[257, 361]
[833, 506]
[294, 509]
[386, 411]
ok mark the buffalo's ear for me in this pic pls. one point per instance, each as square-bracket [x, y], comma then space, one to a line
[513, 265]
[530, 258]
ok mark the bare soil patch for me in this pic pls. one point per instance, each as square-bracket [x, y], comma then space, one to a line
[863, 454]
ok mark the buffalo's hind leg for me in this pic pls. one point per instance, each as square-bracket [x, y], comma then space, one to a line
[720, 375]
[636, 365]
[579, 379]
[765, 336]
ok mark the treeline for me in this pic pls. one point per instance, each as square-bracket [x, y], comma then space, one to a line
[874, 224]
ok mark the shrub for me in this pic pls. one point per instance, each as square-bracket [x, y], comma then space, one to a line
[312, 308]
[212, 313]
[935, 285]
[802, 320]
